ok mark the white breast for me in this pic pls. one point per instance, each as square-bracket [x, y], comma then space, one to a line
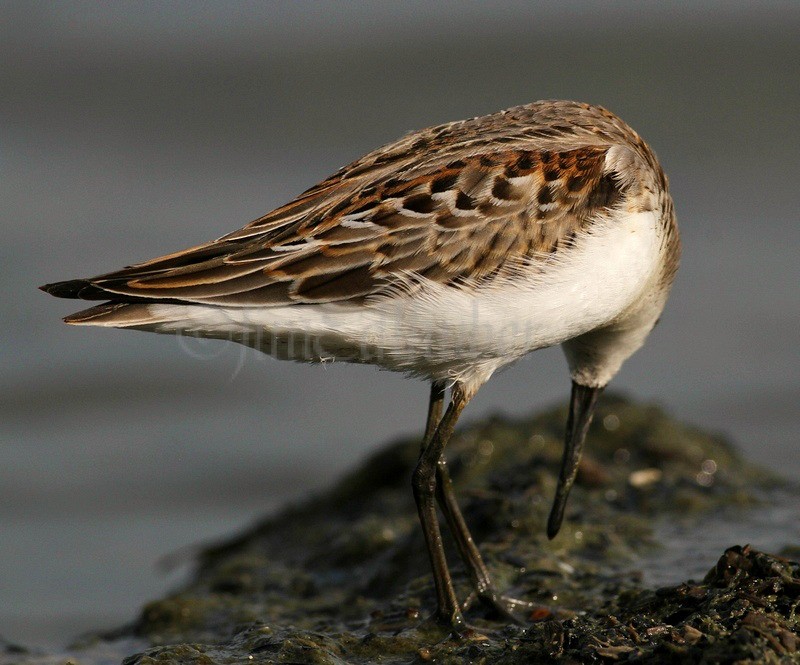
[446, 332]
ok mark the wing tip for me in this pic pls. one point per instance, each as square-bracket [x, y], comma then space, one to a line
[70, 288]
[82, 289]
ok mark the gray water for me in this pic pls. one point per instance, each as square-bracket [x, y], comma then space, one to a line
[135, 130]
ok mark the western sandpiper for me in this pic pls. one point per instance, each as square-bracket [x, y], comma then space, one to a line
[445, 255]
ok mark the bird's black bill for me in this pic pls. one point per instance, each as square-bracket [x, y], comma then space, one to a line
[581, 410]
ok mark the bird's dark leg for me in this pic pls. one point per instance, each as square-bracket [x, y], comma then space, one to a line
[470, 555]
[424, 486]
[434, 411]
[479, 574]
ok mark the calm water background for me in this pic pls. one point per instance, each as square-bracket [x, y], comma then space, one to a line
[132, 131]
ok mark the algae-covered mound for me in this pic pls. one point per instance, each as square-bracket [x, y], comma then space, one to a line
[744, 611]
[344, 578]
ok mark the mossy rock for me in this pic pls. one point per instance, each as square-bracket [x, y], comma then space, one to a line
[343, 577]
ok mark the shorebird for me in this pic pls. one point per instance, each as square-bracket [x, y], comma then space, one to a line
[446, 255]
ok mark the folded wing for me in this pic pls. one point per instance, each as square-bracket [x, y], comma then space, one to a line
[364, 231]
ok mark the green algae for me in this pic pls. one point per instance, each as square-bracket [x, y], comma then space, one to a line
[744, 611]
[343, 577]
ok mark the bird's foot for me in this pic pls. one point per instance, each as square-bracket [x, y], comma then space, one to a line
[450, 626]
[516, 610]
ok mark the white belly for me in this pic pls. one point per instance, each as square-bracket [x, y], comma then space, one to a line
[448, 333]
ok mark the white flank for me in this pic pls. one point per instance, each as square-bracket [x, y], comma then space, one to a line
[450, 333]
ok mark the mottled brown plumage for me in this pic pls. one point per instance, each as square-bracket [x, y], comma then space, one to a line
[461, 202]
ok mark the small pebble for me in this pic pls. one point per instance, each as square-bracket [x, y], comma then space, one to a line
[645, 477]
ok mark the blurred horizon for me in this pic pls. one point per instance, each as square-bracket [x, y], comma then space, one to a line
[135, 129]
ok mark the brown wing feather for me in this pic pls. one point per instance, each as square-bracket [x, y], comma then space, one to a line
[495, 210]
[445, 203]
